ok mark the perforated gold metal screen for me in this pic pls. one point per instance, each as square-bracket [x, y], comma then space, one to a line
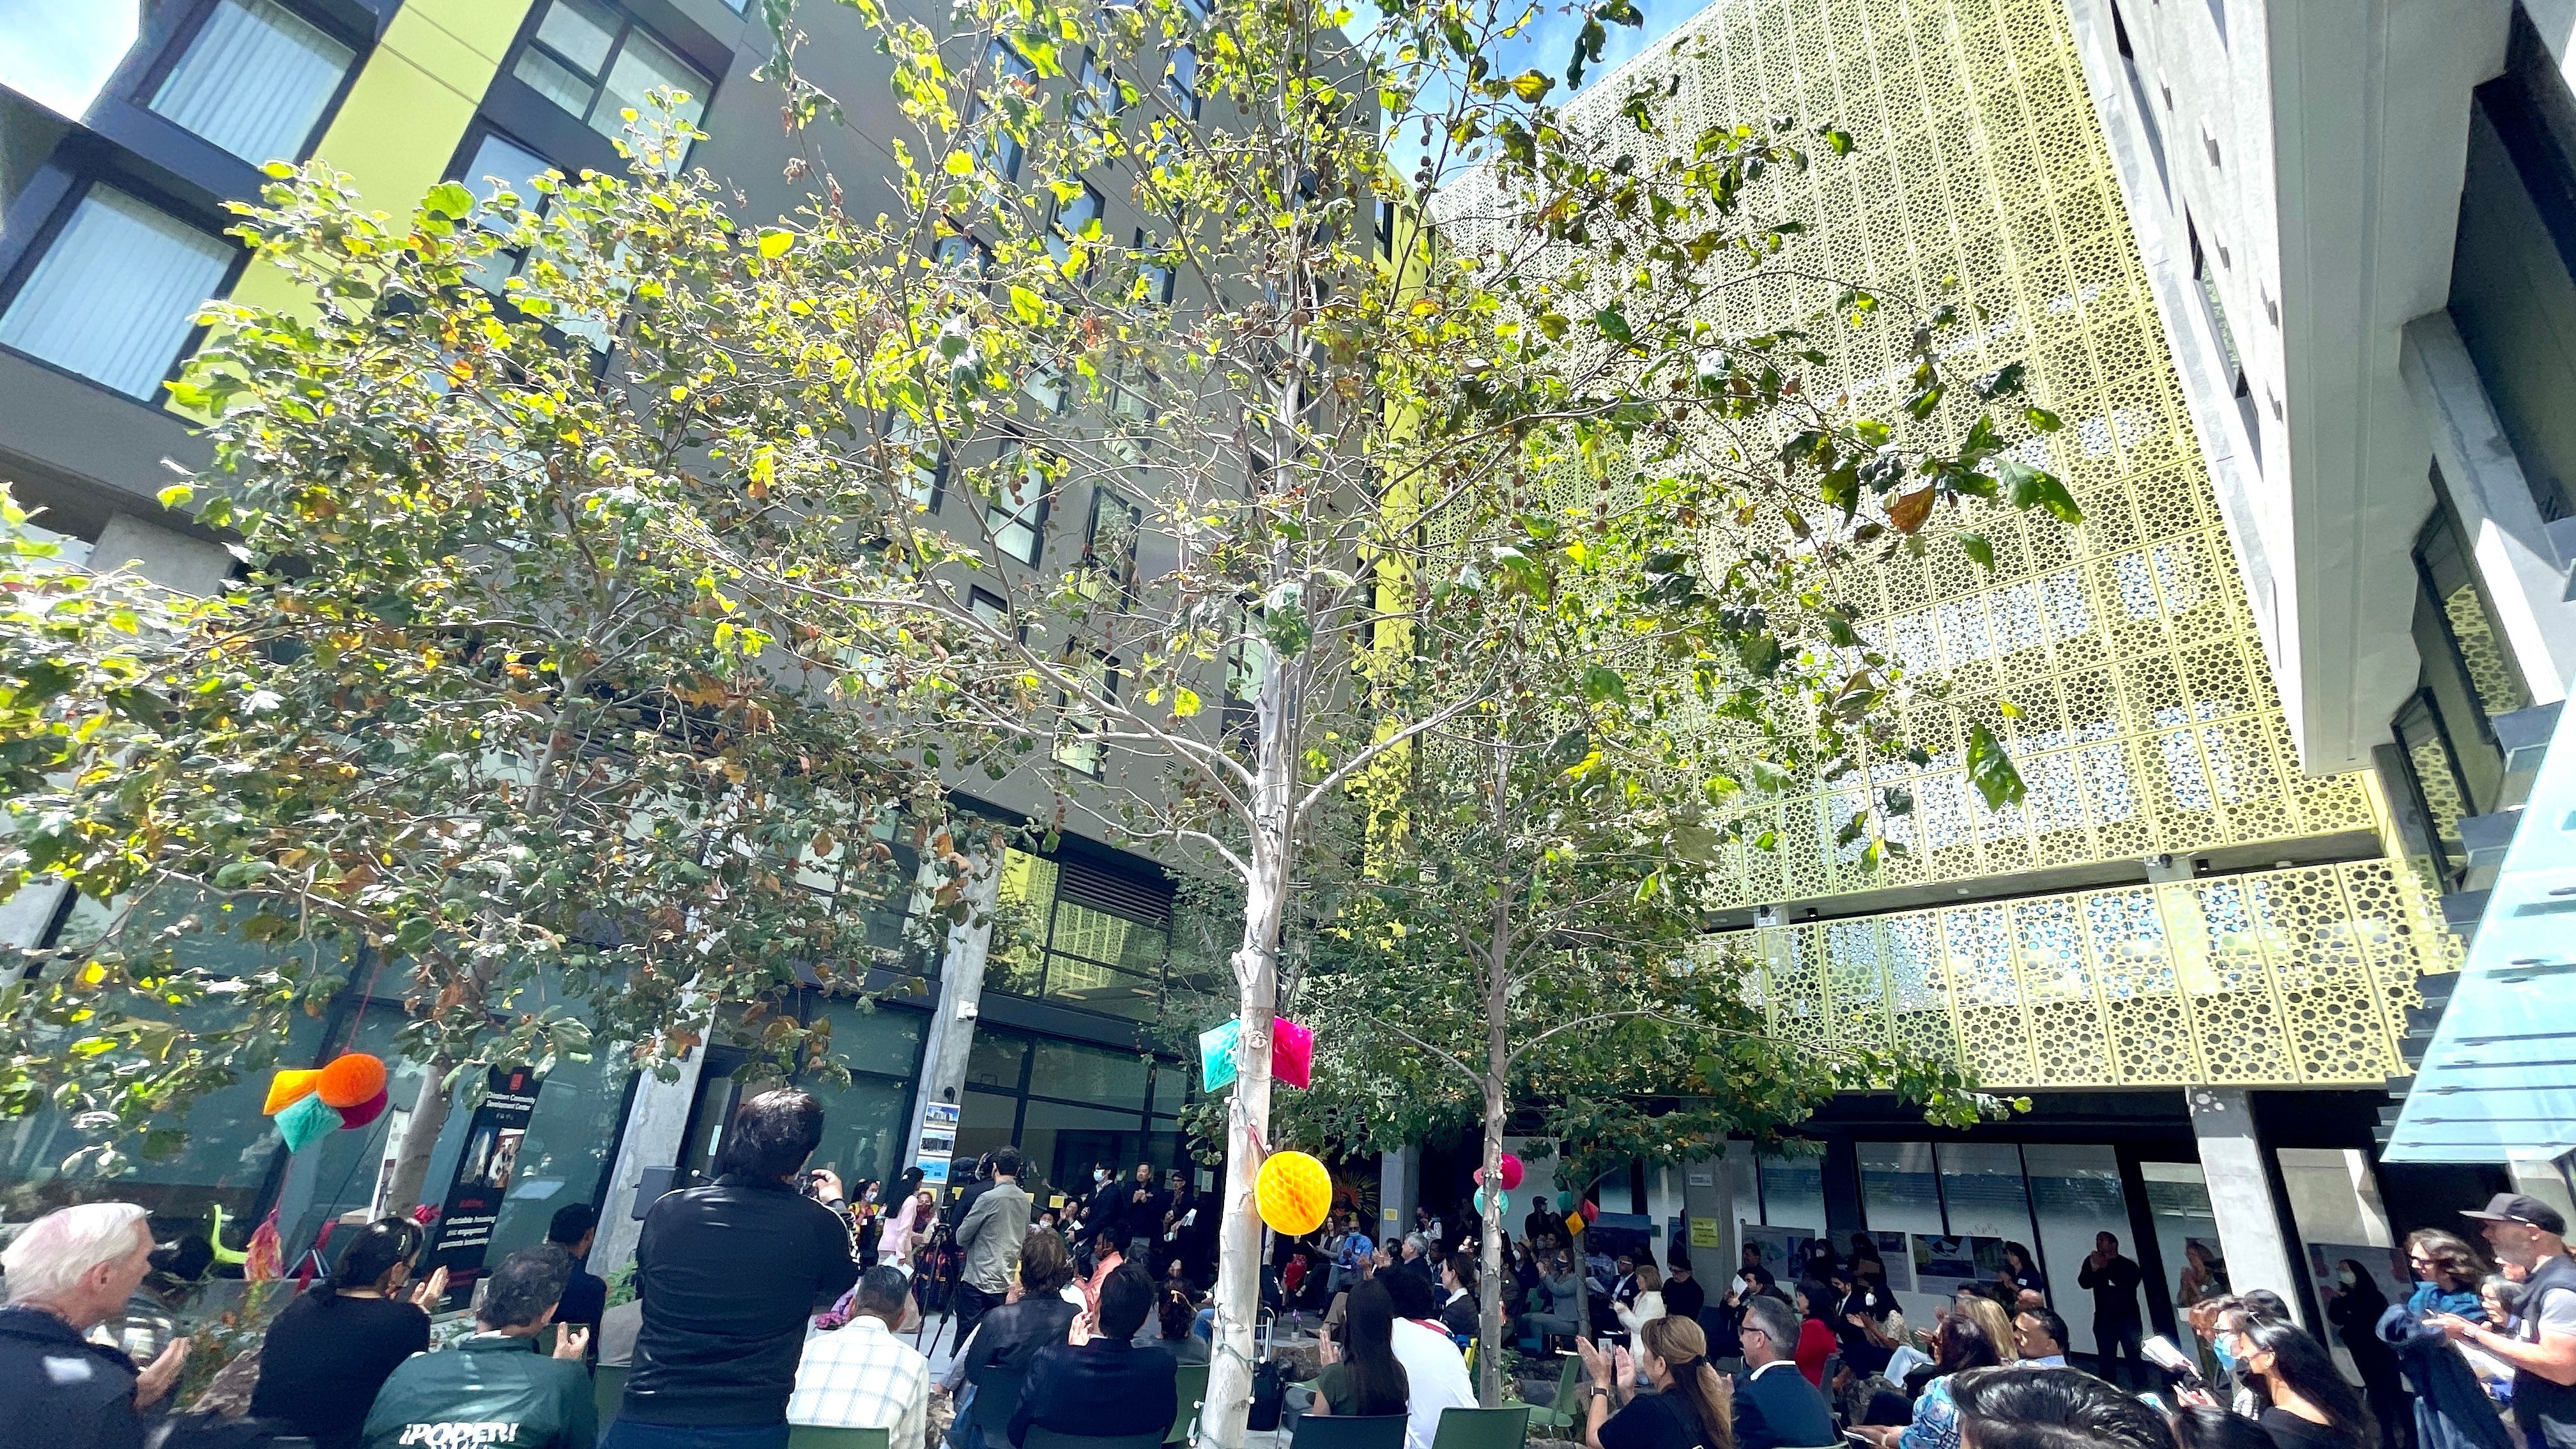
[2144, 719]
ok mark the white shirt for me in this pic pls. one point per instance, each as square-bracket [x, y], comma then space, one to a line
[1790, 1364]
[1435, 1374]
[860, 1376]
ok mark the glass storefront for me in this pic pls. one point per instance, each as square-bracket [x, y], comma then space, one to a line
[230, 1150]
[1070, 1108]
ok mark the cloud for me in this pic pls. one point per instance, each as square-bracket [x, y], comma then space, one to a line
[58, 54]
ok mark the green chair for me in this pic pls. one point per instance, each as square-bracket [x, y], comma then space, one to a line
[1191, 1381]
[997, 1398]
[1042, 1438]
[607, 1391]
[1565, 1411]
[806, 1436]
[1350, 1431]
[1503, 1428]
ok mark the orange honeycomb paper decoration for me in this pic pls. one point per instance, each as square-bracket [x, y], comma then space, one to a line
[1293, 1191]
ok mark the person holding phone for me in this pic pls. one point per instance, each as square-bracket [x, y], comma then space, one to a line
[1692, 1406]
[332, 1349]
[491, 1381]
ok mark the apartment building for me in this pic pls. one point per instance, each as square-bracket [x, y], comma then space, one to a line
[2357, 223]
[2197, 945]
[114, 176]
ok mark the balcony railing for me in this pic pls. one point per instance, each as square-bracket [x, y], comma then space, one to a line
[2276, 978]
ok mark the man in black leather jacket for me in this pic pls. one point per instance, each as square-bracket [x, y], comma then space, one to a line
[730, 1273]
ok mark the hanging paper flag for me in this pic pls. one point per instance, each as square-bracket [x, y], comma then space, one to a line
[1216, 1054]
[288, 1087]
[365, 1112]
[304, 1119]
[1292, 1051]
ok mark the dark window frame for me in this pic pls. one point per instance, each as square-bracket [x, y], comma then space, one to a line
[192, 23]
[40, 243]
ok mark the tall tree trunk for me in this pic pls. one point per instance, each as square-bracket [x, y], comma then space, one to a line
[420, 1138]
[1489, 1270]
[1256, 974]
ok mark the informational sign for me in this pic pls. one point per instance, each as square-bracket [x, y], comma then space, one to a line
[1897, 1257]
[1783, 1249]
[1707, 1233]
[483, 1173]
[938, 1144]
[1942, 1264]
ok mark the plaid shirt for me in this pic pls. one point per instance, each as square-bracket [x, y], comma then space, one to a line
[863, 1377]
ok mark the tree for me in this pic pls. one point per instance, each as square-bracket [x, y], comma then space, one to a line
[477, 707]
[1292, 432]
[1525, 942]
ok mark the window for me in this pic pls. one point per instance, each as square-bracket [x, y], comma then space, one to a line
[1109, 546]
[1016, 511]
[1132, 414]
[1077, 744]
[1102, 95]
[921, 483]
[500, 164]
[963, 255]
[1153, 276]
[999, 150]
[1076, 220]
[989, 607]
[1043, 385]
[1181, 80]
[116, 295]
[595, 63]
[255, 80]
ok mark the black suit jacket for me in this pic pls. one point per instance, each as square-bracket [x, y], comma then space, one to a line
[1106, 1388]
[1781, 1410]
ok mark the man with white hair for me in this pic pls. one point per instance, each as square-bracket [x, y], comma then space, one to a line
[68, 1272]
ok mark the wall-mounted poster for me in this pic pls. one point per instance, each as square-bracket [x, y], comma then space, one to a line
[1942, 1263]
[1783, 1250]
[1896, 1255]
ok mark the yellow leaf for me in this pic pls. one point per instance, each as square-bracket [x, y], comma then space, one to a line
[775, 243]
[1185, 703]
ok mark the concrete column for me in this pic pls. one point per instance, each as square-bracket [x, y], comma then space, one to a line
[1399, 1182]
[27, 922]
[2240, 1195]
[1708, 1196]
[654, 1126]
[951, 1033]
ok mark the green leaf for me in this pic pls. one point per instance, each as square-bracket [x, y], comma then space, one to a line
[1530, 86]
[775, 242]
[1614, 325]
[176, 495]
[1185, 703]
[2005, 379]
[1991, 770]
[2042, 419]
[1977, 546]
[449, 199]
[2026, 487]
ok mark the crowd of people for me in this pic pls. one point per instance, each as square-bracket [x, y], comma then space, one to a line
[767, 1298]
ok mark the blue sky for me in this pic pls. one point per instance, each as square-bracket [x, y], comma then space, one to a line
[1544, 45]
[59, 52]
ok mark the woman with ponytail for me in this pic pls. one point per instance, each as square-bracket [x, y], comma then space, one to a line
[1693, 1406]
[328, 1353]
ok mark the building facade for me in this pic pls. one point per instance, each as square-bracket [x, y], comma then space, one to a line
[113, 183]
[2200, 945]
[2359, 227]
